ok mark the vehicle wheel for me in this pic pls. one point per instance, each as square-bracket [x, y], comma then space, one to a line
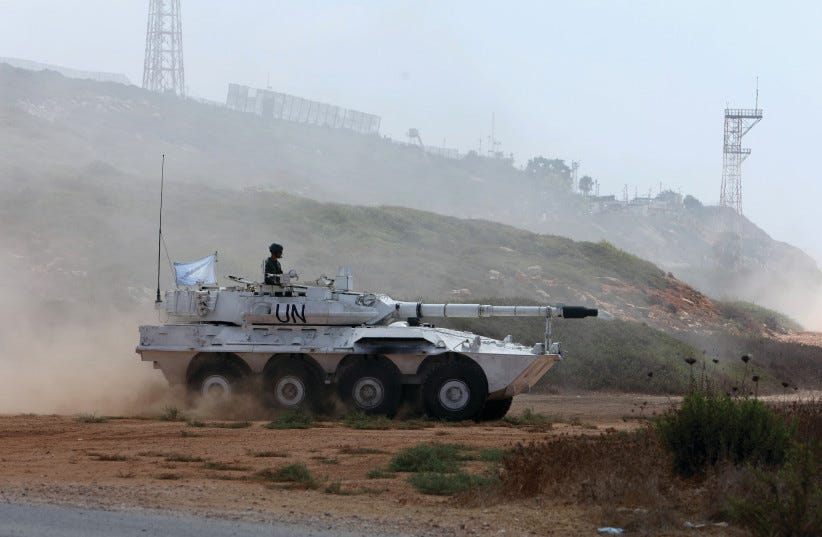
[495, 409]
[455, 391]
[293, 385]
[216, 383]
[372, 386]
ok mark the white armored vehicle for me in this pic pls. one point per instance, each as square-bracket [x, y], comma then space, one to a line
[297, 346]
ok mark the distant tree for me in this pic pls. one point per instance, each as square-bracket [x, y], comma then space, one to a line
[691, 203]
[586, 183]
[553, 172]
[669, 196]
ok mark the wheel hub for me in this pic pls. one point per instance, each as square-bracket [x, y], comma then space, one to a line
[454, 395]
[368, 392]
[289, 391]
[216, 387]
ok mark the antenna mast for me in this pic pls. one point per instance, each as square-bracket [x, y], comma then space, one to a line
[163, 64]
[757, 93]
[160, 233]
[492, 140]
[738, 121]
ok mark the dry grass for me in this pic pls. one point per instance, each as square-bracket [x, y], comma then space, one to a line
[806, 417]
[619, 467]
[225, 466]
[117, 457]
[630, 479]
[290, 476]
[169, 476]
[351, 450]
[628, 476]
[91, 418]
[253, 453]
[180, 457]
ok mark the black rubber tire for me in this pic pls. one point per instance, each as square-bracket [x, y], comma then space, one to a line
[495, 409]
[300, 386]
[379, 385]
[217, 375]
[463, 380]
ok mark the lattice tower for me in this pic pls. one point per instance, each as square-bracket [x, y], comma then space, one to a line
[738, 121]
[163, 67]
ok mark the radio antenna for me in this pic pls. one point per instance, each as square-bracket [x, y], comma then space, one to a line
[160, 232]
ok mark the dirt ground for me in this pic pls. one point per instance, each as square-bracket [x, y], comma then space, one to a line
[813, 339]
[126, 463]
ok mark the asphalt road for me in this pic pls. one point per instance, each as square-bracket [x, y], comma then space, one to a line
[52, 521]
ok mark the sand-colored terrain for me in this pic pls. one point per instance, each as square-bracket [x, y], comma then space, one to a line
[126, 463]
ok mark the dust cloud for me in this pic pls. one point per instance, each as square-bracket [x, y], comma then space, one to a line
[63, 366]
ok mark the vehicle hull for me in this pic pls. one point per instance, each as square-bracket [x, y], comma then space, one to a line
[509, 368]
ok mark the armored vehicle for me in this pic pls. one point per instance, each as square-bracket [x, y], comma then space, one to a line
[297, 346]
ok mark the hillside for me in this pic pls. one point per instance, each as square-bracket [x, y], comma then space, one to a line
[79, 177]
[92, 234]
[55, 126]
[80, 249]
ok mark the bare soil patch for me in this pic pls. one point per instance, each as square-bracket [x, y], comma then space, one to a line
[129, 462]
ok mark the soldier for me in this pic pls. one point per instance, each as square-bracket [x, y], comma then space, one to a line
[272, 270]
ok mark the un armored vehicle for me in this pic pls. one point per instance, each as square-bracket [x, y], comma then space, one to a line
[296, 346]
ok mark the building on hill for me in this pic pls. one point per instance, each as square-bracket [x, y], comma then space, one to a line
[600, 204]
[273, 105]
[67, 72]
[444, 152]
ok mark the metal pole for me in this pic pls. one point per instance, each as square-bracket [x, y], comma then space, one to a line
[160, 232]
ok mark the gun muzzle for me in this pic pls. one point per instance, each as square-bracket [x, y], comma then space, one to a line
[578, 312]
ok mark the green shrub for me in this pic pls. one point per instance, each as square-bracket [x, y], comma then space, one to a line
[296, 474]
[444, 458]
[711, 428]
[359, 420]
[171, 413]
[445, 484]
[376, 473]
[491, 454]
[293, 419]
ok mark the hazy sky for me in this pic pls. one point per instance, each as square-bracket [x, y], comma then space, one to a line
[635, 90]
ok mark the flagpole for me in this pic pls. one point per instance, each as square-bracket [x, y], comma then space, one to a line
[160, 232]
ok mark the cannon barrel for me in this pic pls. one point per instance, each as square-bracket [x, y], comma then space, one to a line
[420, 310]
